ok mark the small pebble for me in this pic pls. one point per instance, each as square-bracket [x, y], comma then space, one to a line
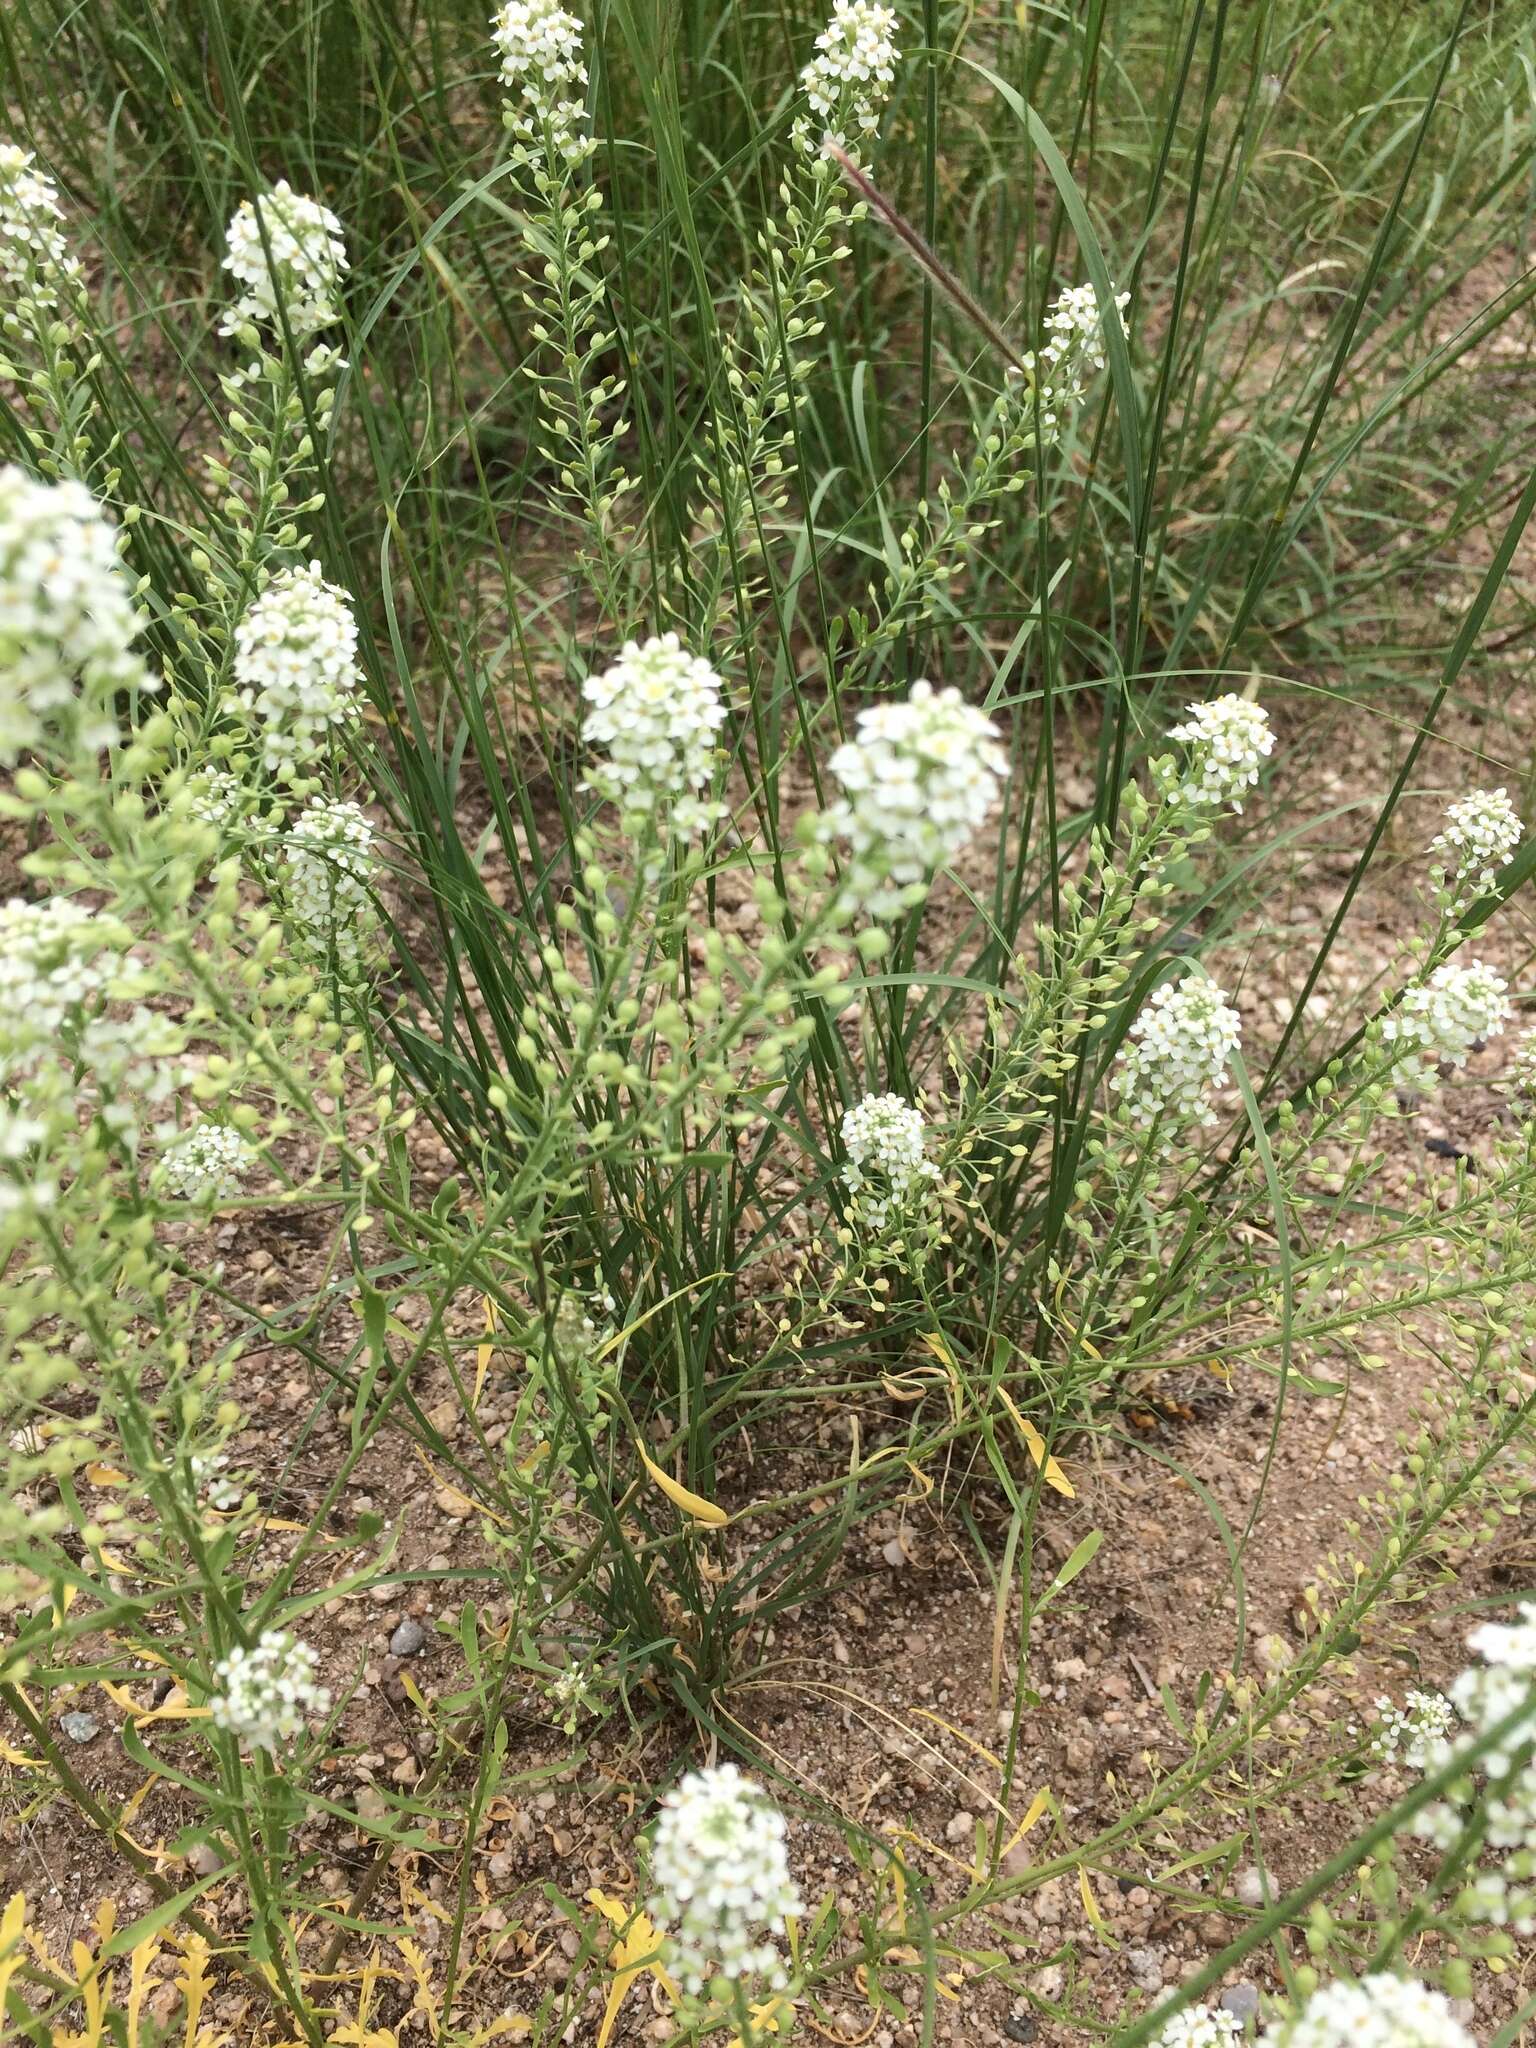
[1241, 2000]
[407, 1639]
[80, 1727]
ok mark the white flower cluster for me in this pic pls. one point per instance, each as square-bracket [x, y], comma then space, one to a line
[1480, 836]
[1200, 2027]
[1500, 1685]
[1073, 352]
[304, 273]
[1443, 1020]
[49, 970]
[34, 256]
[1404, 1734]
[269, 1691]
[721, 1879]
[206, 1163]
[886, 1166]
[67, 621]
[1522, 1075]
[1228, 738]
[655, 714]
[218, 797]
[296, 666]
[849, 80]
[1375, 2012]
[541, 61]
[217, 1487]
[329, 865]
[919, 779]
[1177, 1055]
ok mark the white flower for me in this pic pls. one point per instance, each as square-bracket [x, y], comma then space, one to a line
[541, 61]
[1228, 739]
[655, 714]
[219, 1491]
[1075, 330]
[850, 77]
[886, 1166]
[67, 621]
[296, 666]
[1376, 2012]
[268, 1691]
[1480, 836]
[308, 262]
[329, 864]
[1200, 2027]
[207, 1162]
[1407, 1733]
[219, 798]
[721, 1878]
[1177, 1054]
[34, 256]
[50, 969]
[919, 780]
[1449, 1016]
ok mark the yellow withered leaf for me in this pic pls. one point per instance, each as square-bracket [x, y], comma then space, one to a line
[703, 1511]
[636, 1952]
[12, 1921]
[1034, 1443]
[175, 1707]
[105, 1475]
[1090, 1903]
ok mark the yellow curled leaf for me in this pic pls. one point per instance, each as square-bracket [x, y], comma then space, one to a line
[941, 1351]
[1038, 1805]
[1034, 1443]
[105, 1475]
[1090, 1903]
[703, 1511]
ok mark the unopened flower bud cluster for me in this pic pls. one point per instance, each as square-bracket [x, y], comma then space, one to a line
[885, 1168]
[721, 1882]
[67, 621]
[1229, 739]
[543, 68]
[1445, 1019]
[656, 713]
[303, 274]
[1177, 1056]
[848, 81]
[919, 780]
[268, 1692]
[296, 667]
[1480, 835]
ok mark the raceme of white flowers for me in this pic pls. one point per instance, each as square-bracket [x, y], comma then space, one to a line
[1480, 835]
[296, 667]
[542, 64]
[269, 1691]
[1177, 1054]
[1499, 1685]
[720, 1877]
[1228, 738]
[1200, 2027]
[1445, 1019]
[1375, 2012]
[655, 714]
[919, 780]
[849, 80]
[49, 970]
[886, 1165]
[329, 866]
[33, 253]
[1074, 351]
[206, 1163]
[303, 273]
[1407, 1733]
[67, 621]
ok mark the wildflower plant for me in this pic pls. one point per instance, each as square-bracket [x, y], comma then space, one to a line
[770, 1044]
